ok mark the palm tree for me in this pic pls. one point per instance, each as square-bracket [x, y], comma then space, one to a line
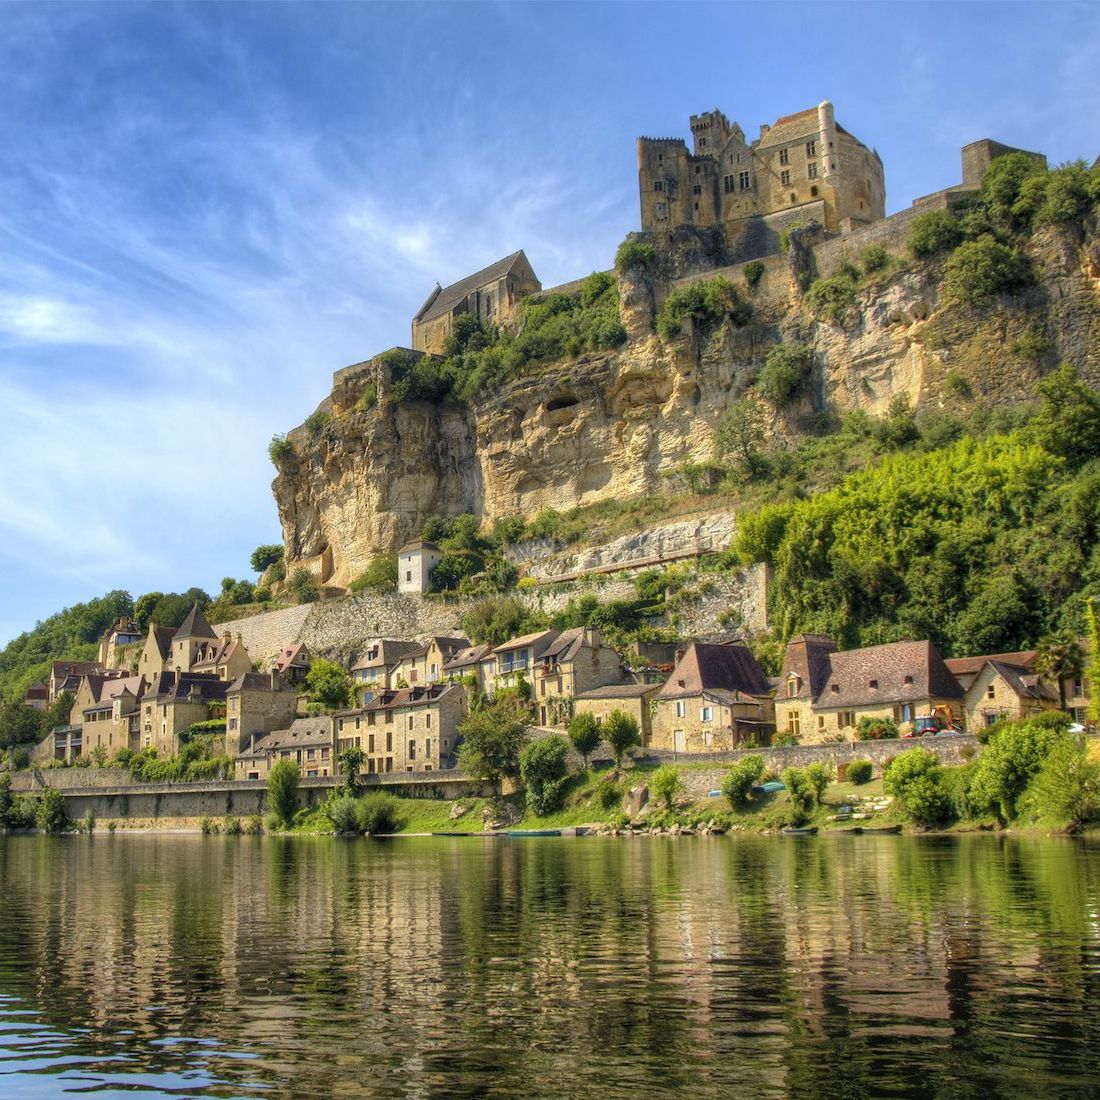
[1060, 656]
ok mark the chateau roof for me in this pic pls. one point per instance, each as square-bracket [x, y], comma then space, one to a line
[162, 639]
[703, 667]
[194, 626]
[450, 296]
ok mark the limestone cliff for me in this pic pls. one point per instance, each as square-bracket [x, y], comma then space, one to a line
[611, 425]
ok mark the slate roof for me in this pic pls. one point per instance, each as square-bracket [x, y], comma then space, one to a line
[404, 697]
[195, 626]
[897, 672]
[533, 640]
[169, 685]
[256, 681]
[162, 638]
[1027, 685]
[291, 656]
[450, 296]
[962, 666]
[60, 669]
[619, 691]
[807, 657]
[419, 544]
[302, 733]
[466, 658]
[390, 651]
[715, 667]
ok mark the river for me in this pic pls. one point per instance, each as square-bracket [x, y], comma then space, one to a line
[830, 966]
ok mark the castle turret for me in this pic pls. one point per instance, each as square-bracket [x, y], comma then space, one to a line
[826, 125]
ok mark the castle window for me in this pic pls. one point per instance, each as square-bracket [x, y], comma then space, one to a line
[727, 184]
[697, 169]
[743, 181]
[702, 142]
[697, 190]
[662, 210]
[811, 148]
[785, 178]
[811, 170]
[659, 186]
[696, 206]
[784, 156]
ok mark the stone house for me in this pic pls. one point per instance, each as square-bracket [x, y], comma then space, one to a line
[373, 672]
[173, 703]
[717, 698]
[513, 661]
[256, 703]
[107, 710]
[307, 742]
[823, 693]
[190, 642]
[156, 653]
[425, 664]
[225, 657]
[491, 295]
[576, 660]
[415, 562]
[292, 663]
[411, 729]
[122, 632]
[966, 669]
[1004, 691]
[469, 661]
[631, 699]
[37, 696]
[66, 676]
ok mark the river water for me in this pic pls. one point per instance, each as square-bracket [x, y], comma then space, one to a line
[646, 967]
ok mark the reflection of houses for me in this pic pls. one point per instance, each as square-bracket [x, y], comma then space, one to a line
[307, 742]
[823, 693]
[632, 699]
[413, 729]
[716, 698]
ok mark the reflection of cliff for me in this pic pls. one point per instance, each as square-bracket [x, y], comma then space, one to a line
[611, 425]
[841, 966]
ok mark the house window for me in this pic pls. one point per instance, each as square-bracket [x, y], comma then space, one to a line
[370, 718]
[784, 156]
[821, 721]
[793, 723]
[696, 189]
[903, 713]
[702, 142]
[681, 708]
[410, 721]
[743, 180]
[811, 170]
[408, 575]
[659, 186]
[727, 184]
[908, 679]
[428, 720]
[792, 687]
[428, 746]
[708, 739]
[370, 742]
[389, 740]
[991, 692]
[705, 714]
[412, 749]
[811, 148]
[785, 178]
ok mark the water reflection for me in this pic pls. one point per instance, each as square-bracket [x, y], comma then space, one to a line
[240, 966]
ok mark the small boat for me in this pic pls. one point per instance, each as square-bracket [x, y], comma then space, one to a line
[881, 829]
[534, 832]
[810, 830]
[770, 787]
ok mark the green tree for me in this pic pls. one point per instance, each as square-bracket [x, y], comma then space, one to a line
[979, 270]
[282, 790]
[497, 619]
[666, 784]
[1060, 657]
[492, 739]
[915, 779]
[543, 772]
[741, 434]
[379, 812]
[1093, 674]
[5, 800]
[19, 725]
[50, 815]
[329, 684]
[785, 371]
[1067, 422]
[802, 797]
[620, 731]
[584, 732]
[936, 231]
[381, 574]
[820, 776]
[1013, 755]
[265, 555]
[741, 778]
[350, 762]
[1066, 789]
[876, 729]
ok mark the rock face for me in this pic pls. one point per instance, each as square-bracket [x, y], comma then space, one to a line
[613, 425]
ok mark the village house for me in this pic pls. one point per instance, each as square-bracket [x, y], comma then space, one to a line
[716, 698]
[966, 669]
[576, 660]
[66, 676]
[823, 693]
[411, 729]
[425, 664]
[226, 657]
[373, 672]
[156, 654]
[37, 696]
[174, 703]
[415, 562]
[1003, 691]
[632, 700]
[122, 632]
[307, 742]
[256, 703]
[292, 663]
[469, 661]
[106, 709]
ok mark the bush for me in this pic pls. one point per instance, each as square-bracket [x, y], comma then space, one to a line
[802, 796]
[208, 827]
[666, 784]
[634, 254]
[231, 825]
[830, 299]
[254, 825]
[936, 231]
[915, 779]
[329, 684]
[280, 450]
[784, 739]
[1012, 757]
[606, 792]
[785, 235]
[784, 373]
[754, 272]
[877, 729]
[740, 779]
[707, 302]
[543, 771]
[452, 569]
[316, 421]
[979, 270]
[302, 585]
[50, 816]
[282, 791]
[874, 258]
[584, 732]
[1066, 789]
[820, 776]
[343, 814]
[378, 813]
[860, 771]
[380, 575]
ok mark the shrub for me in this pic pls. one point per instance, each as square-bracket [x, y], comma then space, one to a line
[584, 732]
[254, 825]
[49, 815]
[452, 568]
[707, 302]
[543, 771]
[634, 254]
[492, 739]
[936, 231]
[265, 555]
[302, 585]
[860, 771]
[784, 739]
[343, 814]
[208, 827]
[874, 258]
[666, 784]
[316, 421]
[802, 796]
[785, 234]
[955, 384]
[877, 729]
[620, 731]
[231, 825]
[368, 398]
[1012, 757]
[1066, 789]
[381, 575]
[820, 776]
[784, 373]
[282, 790]
[830, 299]
[329, 684]
[979, 270]
[280, 450]
[915, 779]
[378, 813]
[754, 272]
[739, 780]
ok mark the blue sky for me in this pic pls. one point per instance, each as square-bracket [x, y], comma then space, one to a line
[206, 209]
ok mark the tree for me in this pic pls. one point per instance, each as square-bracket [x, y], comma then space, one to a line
[265, 555]
[741, 432]
[328, 684]
[820, 776]
[666, 784]
[50, 815]
[979, 270]
[1067, 422]
[302, 585]
[381, 574]
[19, 725]
[350, 762]
[543, 771]
[5, 800]
[936, 231]
[1066, 789]
[1011, 758]
[800, 792]
[1060, 657]
[785, 370]
[492, 739]
[620, 731]
[915, 779]
[282, 790]
[1093, 674]
[740, 779]
[584, 732]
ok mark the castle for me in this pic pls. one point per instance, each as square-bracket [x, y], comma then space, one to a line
[806, 164]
